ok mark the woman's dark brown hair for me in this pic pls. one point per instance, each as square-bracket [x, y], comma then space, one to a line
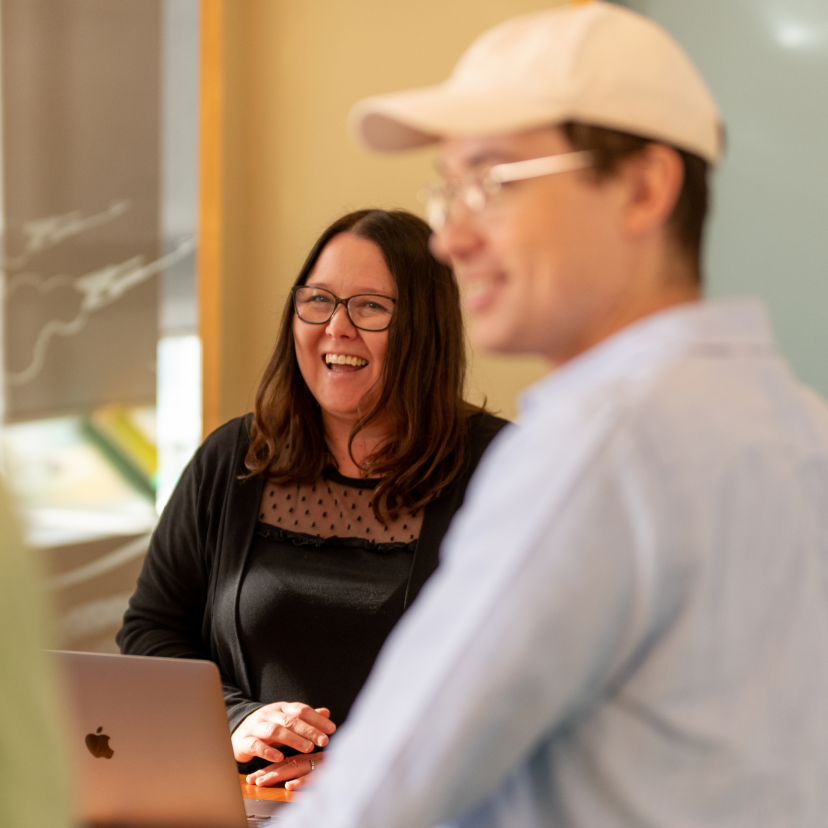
[422, 379]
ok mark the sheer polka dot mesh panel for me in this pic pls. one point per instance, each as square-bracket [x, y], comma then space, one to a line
[333, 509]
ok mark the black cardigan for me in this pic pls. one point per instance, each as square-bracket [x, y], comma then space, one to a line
[185, 604]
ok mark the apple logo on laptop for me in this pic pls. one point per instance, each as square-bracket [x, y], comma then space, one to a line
[98, 744]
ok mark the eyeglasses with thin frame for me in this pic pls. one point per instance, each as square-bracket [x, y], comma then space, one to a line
[475, 191]
[367, 311]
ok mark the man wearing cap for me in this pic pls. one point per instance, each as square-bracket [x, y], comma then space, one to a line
[630, 624]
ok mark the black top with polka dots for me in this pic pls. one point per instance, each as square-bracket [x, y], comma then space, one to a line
[334, 507]
[324, 586]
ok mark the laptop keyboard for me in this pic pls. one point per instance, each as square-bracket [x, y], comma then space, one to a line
[254, 821]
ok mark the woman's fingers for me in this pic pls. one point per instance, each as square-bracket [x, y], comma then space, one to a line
[290, 771]
[251, 747]
[291, 724]
[291, 733]
[298, 726]
[275, 733]
[318, 719]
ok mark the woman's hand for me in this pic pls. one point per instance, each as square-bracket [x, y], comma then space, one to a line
[295, 772]
[291, 724]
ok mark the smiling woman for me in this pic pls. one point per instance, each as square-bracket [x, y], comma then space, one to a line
[300, 534]
[400, 417]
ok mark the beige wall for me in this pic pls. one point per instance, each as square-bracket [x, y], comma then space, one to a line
[293, 69]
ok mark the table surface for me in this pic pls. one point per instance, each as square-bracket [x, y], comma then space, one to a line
[257, 792]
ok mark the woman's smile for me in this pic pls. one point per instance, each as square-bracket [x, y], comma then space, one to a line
[343, 362]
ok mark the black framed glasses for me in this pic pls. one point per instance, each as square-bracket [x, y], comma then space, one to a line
[367, 311]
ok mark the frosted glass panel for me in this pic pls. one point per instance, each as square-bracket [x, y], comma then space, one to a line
[767, 63]
[100, 351]
[81, 154]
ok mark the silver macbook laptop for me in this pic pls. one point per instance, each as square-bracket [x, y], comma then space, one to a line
[149, 744]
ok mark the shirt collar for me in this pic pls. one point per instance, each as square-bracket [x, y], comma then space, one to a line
[724, 325]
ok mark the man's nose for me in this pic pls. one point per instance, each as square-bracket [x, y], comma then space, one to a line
[459, 237]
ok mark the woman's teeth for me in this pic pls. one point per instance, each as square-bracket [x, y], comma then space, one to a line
[341, 359]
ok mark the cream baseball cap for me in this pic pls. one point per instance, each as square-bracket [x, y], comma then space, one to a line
[595, 62]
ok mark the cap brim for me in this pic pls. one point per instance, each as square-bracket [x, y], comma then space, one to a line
[418, 117]
[415, 118]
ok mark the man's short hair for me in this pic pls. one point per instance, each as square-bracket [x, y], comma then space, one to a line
[610, 147]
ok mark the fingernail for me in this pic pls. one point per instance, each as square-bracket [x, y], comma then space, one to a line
[322, 741]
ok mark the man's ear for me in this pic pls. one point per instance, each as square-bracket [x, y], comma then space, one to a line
[653, 179]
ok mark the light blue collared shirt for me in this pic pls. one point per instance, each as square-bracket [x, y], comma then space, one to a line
[630, 623]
